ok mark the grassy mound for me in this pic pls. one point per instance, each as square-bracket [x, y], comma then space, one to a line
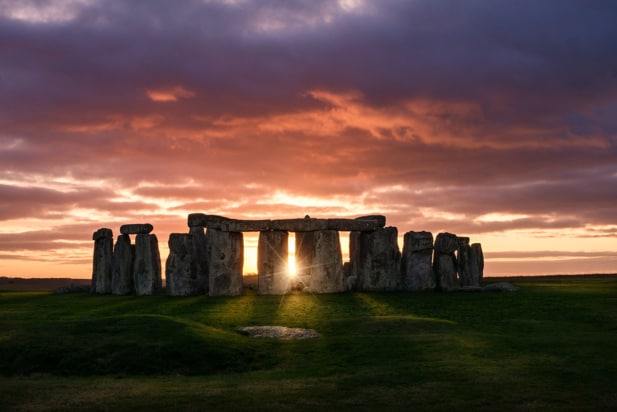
[550, 346]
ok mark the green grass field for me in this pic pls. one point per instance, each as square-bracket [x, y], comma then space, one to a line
[551, 346]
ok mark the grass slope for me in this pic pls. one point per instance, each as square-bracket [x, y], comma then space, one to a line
[550, 346]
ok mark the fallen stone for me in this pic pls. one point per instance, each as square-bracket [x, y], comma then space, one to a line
[147, 266]
[72, 288]
[501, 287]
[272, 264]
[225, 262]
[123, 265]
[279, 332]
[136, 229]
[416, 263]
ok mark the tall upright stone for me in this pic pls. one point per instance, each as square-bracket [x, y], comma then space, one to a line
[465, 275]
[181, 267]
[272, 265]
[147, 266]
[476, 263]
[102, 261]
[321, 261]
[444, 261]
[123, 262]
[200, 255]
[416, 264]
[305, 249]
[376, 260]
[225, 262]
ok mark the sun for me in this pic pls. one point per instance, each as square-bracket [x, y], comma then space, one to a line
[291, 255]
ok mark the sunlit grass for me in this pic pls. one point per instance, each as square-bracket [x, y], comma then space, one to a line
[548, 347]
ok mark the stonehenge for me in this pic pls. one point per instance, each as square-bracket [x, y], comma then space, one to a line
[209, 258]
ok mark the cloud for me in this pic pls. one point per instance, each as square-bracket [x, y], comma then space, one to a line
[437, 114]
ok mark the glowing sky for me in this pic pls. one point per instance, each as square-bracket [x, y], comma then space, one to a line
[492, 119]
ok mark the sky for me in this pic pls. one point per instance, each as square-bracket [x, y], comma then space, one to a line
[491, 119]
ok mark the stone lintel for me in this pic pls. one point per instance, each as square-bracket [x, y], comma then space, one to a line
[246, 225]
[136, 229]
[362, 224]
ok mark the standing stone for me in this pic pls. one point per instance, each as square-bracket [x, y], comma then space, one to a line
[305, 249]
[225, 262]
[272, 266]
[476, 263]
[122, 272]
[321, 261]
[416, 265]
[464, 263]
[377, 260]
[181, 266]
[102, 261]
[200, 255]
[444, 262]
[147, 267]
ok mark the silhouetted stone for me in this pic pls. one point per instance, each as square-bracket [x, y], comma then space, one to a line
[207, 221]
[123, 262]
[348, 225]
[501, 287]
[181, 267]
[136, 229]
[376, 260]
[444, 261]
[300, 225]
[476, 263]
[147, 266]
[200, 255]
[464, 264]
[225, 262]
[321, 261]
[416, 264]
[102, 261]
[380, 220]
[246, 225]
[272, 263]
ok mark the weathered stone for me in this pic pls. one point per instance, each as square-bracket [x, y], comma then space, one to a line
[246, 225]
[348, 225]
[147, 266]
[272, 264]
[444, 261]
[416, 264]
[200, 255]
[123, 262]
[305, 245]
[102, 261]
[464, 264]
[102, 233]
[501, 287]
[207, 221]
[319, 262]
[380, 220]
[377, 260]
[476, 263]
[300, 225]
[181, 266]
[446, 243]
[225, 262]
[136, 229]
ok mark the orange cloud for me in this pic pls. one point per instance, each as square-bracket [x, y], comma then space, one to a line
[169, 95]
